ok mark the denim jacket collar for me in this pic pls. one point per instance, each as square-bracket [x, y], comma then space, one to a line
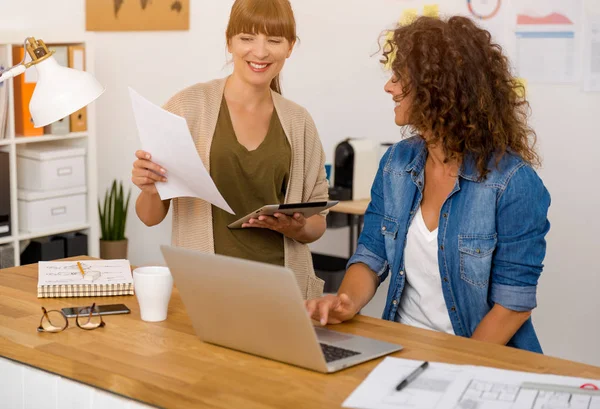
[468, 169]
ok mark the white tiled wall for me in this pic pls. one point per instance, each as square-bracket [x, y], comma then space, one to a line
[22, 387]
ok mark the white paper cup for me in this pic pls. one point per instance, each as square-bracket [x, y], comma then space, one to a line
[153, 286]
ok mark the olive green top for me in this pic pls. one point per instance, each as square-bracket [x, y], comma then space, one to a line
[199, 104]
[248, 180]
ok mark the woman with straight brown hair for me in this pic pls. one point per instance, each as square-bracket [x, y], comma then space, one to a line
[259, 148]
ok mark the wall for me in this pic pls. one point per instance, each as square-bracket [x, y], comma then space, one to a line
[333, 74]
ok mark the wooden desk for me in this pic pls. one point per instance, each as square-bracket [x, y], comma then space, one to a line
[166, 365]
[355, 209]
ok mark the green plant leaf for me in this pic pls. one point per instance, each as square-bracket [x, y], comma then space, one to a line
[113, 212]
[106, 221]
[121, 213]
[117, 218]
[101, 215]
[125, 209]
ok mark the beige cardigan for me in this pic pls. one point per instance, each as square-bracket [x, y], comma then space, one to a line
[192, 218]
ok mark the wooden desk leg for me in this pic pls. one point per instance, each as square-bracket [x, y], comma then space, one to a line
[351, 234]
[354, 220]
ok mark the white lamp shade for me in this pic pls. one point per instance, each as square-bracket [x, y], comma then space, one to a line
[60, 91]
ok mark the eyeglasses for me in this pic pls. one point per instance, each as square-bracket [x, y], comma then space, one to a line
[56, 321]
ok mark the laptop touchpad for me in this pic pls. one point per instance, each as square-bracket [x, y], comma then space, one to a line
[331, 337]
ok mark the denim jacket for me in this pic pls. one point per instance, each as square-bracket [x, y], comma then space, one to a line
[491, 236]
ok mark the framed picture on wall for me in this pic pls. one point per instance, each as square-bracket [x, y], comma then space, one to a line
[137, 15]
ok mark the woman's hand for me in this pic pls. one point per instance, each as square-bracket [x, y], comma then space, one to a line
[146, 173]
[331, 309]
[289, 226]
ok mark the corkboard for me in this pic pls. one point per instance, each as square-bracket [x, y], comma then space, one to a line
[137, 15]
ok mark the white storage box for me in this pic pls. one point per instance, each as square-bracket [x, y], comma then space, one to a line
[50, 166]
[42, 211]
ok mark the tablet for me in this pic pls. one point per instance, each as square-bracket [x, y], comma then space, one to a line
[307, 209]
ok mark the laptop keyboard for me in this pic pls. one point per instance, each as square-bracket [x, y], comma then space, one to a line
[332, 353]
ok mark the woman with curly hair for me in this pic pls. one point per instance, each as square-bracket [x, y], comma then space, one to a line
[458, 216]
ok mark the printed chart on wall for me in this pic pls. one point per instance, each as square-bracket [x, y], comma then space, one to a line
[491, 15]
[137, 15]
[591, 53]
[548, 40]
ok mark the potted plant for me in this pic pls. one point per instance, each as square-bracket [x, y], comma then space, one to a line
[113, 216]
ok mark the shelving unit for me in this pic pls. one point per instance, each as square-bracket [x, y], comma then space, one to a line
[48, 138]
[86, 139]
[6, 240]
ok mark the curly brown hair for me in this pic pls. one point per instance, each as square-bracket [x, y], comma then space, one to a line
[463, 92]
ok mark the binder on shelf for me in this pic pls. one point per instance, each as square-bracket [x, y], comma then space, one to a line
[5, 213]
[3, 108]
[76, 59]
[24, 85]
[4, 64]
[62, 126]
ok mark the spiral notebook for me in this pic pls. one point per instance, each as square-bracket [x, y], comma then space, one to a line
[85, 278]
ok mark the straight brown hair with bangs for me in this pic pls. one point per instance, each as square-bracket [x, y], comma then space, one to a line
[268, 17]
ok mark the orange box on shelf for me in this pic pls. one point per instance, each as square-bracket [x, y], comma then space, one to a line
[78, 119]
[24, 85]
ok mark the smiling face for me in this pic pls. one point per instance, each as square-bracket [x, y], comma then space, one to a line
[260, 36]
[258, 58]
[402, 101]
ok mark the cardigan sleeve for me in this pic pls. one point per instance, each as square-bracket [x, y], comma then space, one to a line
[174, 104]
[316, 188]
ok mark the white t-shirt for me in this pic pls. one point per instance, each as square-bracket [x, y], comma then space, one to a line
[422, 303]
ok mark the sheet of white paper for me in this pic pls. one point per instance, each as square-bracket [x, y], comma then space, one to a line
[95, 272]
[167, 138]
[546, 57]
[445, 386]
[378, 390]
[591, 54]
[502, 389]
[548, 40]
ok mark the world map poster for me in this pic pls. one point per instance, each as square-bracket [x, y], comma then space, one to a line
[137, 15]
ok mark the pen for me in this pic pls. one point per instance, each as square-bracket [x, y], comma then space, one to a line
[413, 375]
[81, 269]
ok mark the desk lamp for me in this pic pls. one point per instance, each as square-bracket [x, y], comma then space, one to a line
[59, 91]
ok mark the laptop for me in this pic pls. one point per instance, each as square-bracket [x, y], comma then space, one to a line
[257, 308]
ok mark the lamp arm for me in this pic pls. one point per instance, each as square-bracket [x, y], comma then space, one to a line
[38, 52]
[12, 72]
